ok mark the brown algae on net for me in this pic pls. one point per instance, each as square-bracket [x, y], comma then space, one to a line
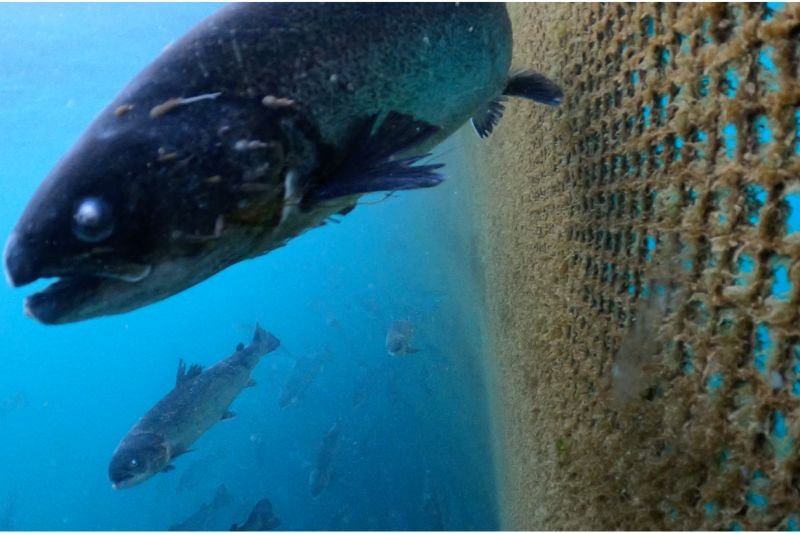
[679, 130]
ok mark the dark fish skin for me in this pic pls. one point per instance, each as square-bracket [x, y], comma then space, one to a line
[222, 149]
[200, 399]
[261, 518]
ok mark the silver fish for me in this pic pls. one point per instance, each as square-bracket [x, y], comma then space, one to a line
[200, 399]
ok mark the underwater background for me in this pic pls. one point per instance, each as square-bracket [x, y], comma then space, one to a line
[415, 449]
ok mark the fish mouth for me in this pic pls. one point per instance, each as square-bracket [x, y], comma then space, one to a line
[50, 305]
[127, 482]
[76, 297]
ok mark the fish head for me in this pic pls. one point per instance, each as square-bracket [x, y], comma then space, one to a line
[395, 343]
[137, 459]
[142, 208]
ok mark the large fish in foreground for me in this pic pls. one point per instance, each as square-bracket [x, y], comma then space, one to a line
[200, 399]
[259, 124]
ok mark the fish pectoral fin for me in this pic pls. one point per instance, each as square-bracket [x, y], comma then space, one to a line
[487, 118]
[346, 210]
[178, 454]
[370, 166]
[521, 83]
[227, 415]
[533, 86]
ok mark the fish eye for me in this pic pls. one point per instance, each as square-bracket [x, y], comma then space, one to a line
[133, 463]
[92, 220]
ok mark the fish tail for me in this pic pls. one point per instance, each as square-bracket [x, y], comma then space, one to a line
[533, 86]
[264, 342]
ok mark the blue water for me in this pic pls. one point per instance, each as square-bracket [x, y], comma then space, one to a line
[413, 428]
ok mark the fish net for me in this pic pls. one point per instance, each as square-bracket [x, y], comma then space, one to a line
[642, 246]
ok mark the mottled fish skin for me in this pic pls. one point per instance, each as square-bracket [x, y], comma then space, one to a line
[204, 158]
[200, 399]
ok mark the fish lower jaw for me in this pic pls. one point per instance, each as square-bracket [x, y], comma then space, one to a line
[47, 306]
[126, 483]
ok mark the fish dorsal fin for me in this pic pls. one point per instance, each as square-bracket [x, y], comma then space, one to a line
[194, 371]
[370, 166]
[184, 375]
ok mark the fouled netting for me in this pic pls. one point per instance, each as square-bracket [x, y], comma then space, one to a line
[644, 268]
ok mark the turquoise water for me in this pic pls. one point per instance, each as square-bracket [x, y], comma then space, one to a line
[414, 429]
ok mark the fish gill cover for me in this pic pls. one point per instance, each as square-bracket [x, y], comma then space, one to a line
[675, 169]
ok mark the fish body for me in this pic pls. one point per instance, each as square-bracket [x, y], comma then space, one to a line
[261, 518]
[398, 338]
[302, 375]
[200, 399]
[322, 474]
[204, 517]
[259, 124]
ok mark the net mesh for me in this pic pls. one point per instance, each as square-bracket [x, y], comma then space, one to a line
[643, 243]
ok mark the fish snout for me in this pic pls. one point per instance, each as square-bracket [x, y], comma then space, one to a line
[19, 269]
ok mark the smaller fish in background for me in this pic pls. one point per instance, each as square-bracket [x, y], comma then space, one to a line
[200, 399]
[322, 475]
[262, 518]
[636, 362]
[302, 375]
[13, 403]
[202, 518]
[332, 321]
[398, 338]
